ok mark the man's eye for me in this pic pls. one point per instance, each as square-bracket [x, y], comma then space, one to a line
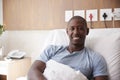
[81, 28]
[71, 28]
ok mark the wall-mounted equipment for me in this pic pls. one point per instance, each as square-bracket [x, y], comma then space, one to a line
[68, 15]
[79, 13]
[107, 13]
[93, 13]
[116, 14]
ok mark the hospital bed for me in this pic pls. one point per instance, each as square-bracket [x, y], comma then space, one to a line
[105, 41]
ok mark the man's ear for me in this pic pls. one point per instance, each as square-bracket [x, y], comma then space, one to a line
[67, 30]
[87, 31]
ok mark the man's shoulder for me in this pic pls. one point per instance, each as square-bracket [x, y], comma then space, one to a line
[93, 53]
[95, 56]
[56, 47]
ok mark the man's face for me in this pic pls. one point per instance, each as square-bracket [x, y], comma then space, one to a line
[77, 31]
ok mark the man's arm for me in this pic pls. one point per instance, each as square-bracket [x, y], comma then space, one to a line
[101, 78]
[36, 70]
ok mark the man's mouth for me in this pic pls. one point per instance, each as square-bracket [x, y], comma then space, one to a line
[76, 38]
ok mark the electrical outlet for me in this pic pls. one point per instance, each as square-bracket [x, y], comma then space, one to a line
[108, 12]
[116, 14]
[79, 13]
[93, 14]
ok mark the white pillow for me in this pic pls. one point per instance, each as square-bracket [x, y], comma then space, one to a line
[58, 71]
[107, 43]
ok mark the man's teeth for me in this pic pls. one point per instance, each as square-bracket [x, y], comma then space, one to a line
[76, 38]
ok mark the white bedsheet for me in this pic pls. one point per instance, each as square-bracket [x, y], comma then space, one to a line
[22, 78]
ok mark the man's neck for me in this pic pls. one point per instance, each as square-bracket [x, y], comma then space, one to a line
[72, 48]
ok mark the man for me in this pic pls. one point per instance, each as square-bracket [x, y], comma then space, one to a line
[75, 55]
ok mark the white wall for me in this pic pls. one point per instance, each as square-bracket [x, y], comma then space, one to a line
[1, 12]
[32, 42]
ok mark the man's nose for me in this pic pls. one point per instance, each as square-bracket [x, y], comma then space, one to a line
[76, 31]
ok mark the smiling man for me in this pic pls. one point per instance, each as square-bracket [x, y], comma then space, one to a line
[75, 55]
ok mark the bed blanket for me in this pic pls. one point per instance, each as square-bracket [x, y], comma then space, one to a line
[58, 71]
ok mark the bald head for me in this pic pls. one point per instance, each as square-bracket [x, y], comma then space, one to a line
[79, 20]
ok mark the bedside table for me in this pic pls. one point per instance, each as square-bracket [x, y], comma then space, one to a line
[10, 70]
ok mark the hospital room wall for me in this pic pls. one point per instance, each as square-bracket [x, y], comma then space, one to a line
[49, 14]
